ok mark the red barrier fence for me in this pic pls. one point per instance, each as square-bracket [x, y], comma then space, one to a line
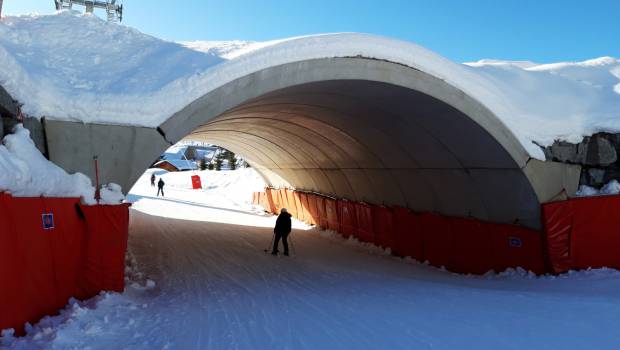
[583, 232]
[365, 226]
[383, 221]
[52, 249]
[459, 244]
[580, 233]
[347, 217]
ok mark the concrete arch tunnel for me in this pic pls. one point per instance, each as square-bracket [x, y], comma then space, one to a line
[351, 127]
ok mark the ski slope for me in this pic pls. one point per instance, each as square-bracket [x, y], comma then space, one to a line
[198, 279]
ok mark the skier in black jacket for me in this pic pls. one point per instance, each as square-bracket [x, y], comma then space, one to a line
[160, 187]
[281, 231]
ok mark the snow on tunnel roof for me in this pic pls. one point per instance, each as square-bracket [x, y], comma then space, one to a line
[110, 73]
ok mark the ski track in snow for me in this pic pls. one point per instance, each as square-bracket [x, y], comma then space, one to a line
[215, 288]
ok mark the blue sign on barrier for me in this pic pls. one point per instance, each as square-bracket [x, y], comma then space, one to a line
[515, 242]
[48, 221]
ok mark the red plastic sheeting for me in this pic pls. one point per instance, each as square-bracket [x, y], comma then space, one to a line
[301, 211]
[196, 184]
[282, 199]
[305, 204]
[383, 221]
[437, 238]
[472, 246]
[44, 266]
[331, 209]
[583, 232]
[517, 246]
[264, 201]
[106, 243]
[365, 226]
[348, 218]
[407, 234]
[272, 199]
[291, 205]
[321, 212]
[313, 211]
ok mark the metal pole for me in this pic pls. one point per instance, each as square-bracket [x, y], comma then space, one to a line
[97, 193]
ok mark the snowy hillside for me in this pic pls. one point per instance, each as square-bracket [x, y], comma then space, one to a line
[106, 72]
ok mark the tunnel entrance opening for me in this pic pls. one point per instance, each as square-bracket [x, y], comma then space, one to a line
[377, 143]
[351, 127]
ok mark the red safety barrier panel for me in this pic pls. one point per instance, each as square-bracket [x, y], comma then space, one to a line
[106, 243]
[331, 209]
[437, 238]
[290, 200]
[583, 232]
[272, 199]
[265, 202]
[312, 215]
[408, 236]
[52, 249]
[301, 211]
[472, 246]
[321, 210]
[196, 184]
[347, 217]
[282, 199]
[50, 256]
[517, 246]
[365, 226]
[13, 313]
[383, 221]
[305, 204]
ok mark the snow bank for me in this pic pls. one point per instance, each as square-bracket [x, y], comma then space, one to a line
[109, 73]
[24, 172]
[611, 188]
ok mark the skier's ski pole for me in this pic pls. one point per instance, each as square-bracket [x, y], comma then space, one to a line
[270, 244]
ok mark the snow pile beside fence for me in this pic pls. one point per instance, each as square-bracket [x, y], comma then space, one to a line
[24, 172]
[611, 188]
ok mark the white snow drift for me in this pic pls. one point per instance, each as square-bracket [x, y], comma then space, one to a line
[24, 172]
[110, 73]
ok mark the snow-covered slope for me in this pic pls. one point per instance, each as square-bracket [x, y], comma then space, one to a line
[74, 67]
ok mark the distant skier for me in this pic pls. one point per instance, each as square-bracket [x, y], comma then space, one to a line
[281, 231]
[152, 180]
[160, 187]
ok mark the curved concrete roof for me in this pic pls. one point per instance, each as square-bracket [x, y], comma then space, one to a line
[370, 130]
[355, 116]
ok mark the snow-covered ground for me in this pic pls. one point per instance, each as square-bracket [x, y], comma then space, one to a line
[109, 73]
[199, 279]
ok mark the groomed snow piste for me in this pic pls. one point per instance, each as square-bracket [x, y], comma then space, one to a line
[109, 73]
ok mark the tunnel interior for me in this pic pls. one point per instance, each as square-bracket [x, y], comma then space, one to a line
[378, 143]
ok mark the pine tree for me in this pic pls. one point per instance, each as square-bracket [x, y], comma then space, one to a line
[203, 164]
[232, 161]
[210, 167]
[218, 162]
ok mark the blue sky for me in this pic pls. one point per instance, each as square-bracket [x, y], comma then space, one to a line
[462, 30]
